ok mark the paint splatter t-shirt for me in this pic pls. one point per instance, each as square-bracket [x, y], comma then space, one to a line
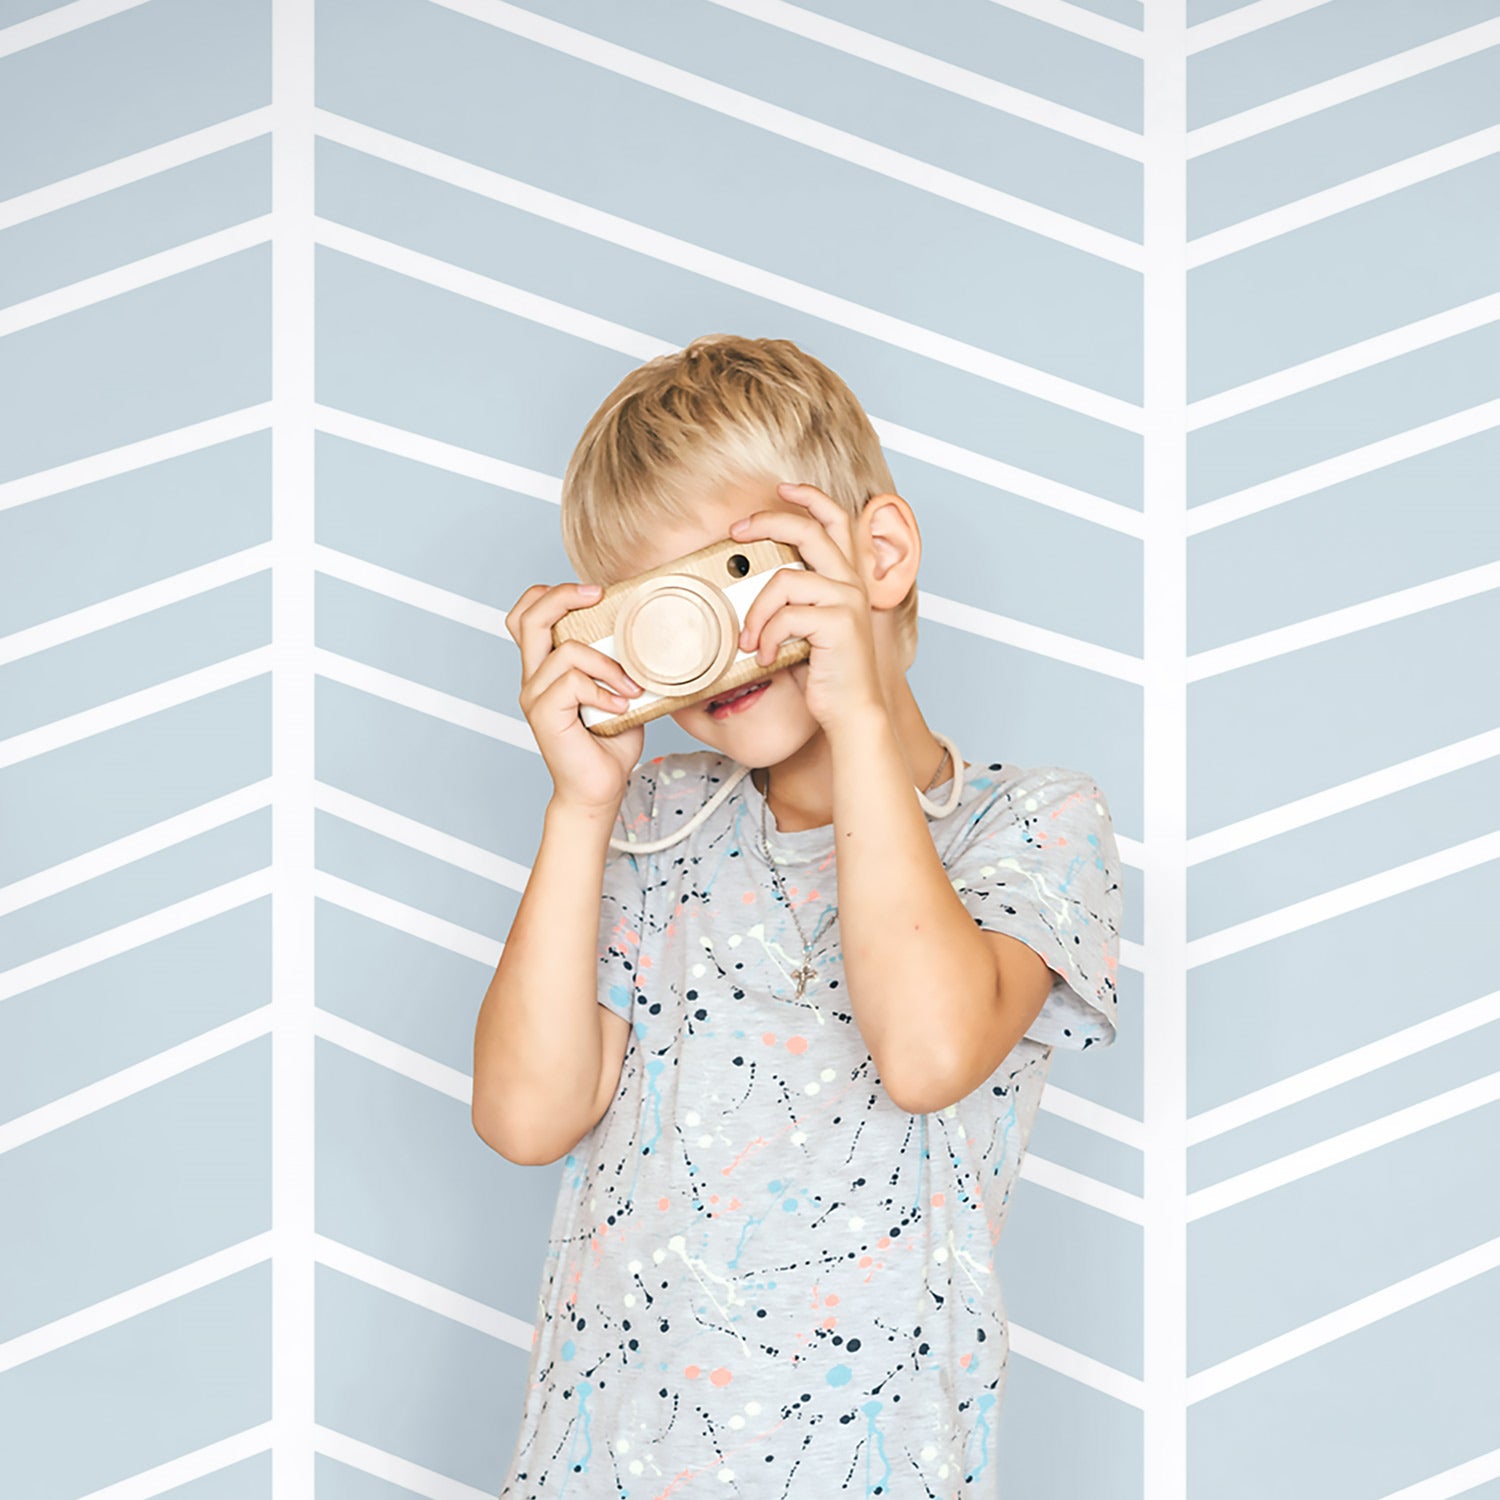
[763, 1277]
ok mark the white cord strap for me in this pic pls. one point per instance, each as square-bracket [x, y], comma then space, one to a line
[932, 809]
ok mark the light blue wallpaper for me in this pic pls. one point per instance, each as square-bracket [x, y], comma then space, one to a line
[1180, 324]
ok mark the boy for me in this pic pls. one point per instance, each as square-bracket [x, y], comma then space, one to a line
[824, 1018]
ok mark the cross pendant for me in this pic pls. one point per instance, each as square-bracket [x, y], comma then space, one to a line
[802, 976]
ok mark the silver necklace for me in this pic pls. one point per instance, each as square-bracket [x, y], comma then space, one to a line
[804, 973]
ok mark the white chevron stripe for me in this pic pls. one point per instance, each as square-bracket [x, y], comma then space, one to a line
[710, 264]
[489, 291]
[134, 934]
[1409, 876]
[1359, 791]
[1324, 1077]
[421, 699]
[136, 274]
[1096, 1117]
[197, 436]
[400, 1472]
[992, 471]
[122, 852]
[399, 916]
[472, 859]
[381, 1050]
[1380, 454]
[181, 1471]
[73, 728]
[1347, 1319]
[1461, 1479]
[1364, 355]
[940, 454]
[134, 168]
[132, 456]
[437, 454]
[562, 316]
[35, 30]
[566, 318]
[1402, 604]
[1352, 85]
[978, 87]
[128, 1304]
[1060, 1358]
[1247, 19]
[1080, 22]
[421, 1292]
[138, 1077]
[133, 603]
[1081, 1188]
[1343, 1147]
[414, 592]
[813, 134]
[1286, 218]
[988, 625]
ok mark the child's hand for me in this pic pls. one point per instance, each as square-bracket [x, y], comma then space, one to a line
[825, 602]
[588, 770]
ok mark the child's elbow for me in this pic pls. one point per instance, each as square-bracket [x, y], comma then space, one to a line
[525, 1147]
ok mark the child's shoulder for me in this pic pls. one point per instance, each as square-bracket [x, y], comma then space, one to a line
[1000, 798]
[996, 779]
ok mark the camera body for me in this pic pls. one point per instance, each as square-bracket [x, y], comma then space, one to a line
[675, 628]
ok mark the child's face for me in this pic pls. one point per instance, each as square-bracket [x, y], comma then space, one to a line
[771, 725]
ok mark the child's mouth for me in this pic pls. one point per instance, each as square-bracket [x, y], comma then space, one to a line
[739, 700]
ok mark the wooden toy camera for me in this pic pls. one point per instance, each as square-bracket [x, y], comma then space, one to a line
[676, 628]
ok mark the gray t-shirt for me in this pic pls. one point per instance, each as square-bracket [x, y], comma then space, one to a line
[763, 1277]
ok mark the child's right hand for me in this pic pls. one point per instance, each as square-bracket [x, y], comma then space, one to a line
[588, 770]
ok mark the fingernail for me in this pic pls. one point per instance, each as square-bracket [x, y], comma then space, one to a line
[590, 588]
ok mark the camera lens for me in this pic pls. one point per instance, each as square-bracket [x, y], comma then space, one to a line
[738, 564]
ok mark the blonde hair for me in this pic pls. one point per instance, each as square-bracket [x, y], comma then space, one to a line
[722, 410]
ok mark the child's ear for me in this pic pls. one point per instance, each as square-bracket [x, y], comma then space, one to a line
[892, 548]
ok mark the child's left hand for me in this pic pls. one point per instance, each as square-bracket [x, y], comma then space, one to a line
[826, 602]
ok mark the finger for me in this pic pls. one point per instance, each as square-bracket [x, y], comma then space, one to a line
[572, 688]
[826, 511]
[534, 627]
[513, 619]
[790, 620]
[801, 615]
[819, 550]
[784, 585]
[590, 659]
[762, 606]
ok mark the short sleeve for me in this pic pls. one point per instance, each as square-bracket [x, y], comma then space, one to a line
[1038, 861]
[623, 909]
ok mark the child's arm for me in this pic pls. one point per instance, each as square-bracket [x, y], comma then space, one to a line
[944, 983]
[539, 1050]
[542, 1042]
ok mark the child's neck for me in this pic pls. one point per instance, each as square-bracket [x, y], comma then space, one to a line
[801, 786]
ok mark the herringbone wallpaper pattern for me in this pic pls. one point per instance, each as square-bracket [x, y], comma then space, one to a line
[1180, 324]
